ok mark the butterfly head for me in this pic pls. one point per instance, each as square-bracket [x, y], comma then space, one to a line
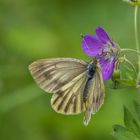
[93, 62]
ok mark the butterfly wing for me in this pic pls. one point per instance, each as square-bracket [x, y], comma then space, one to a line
[66, 78]
[96, 94]
[52, 74]
[69, 100]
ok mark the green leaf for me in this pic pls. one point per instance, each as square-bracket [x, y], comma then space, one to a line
[137, 109]
[127, 82]
[131, 123]
[121, 133]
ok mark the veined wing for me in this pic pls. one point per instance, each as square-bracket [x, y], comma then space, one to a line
[99, 91]
[96, 94]
[53, 74]
[69, 100]
[66, 78]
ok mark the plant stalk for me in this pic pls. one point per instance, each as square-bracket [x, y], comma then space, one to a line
[130, 50]
[136, 33]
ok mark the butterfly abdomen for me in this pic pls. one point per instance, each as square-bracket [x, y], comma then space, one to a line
[91, 68]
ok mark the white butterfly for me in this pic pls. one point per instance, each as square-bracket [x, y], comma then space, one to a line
[77, 85]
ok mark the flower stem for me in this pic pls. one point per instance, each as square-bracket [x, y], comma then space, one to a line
[130, 50]
[136, 27]
[136, 32]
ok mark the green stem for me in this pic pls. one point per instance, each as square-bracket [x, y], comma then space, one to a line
[136, 33]
[130, 50]
[131, 64]
[136, 37]
[136, 27]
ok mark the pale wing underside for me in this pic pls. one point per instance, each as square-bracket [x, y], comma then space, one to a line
[66, 78]
[96, 96]
[70, 99]
[98, 92]
[52, 74]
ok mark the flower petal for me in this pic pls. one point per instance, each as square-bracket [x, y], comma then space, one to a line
[91, 45]
[103, 36]
[107, 66]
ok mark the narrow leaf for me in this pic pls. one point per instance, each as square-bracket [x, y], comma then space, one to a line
[137, 109]
[121, 133]
[131, 123]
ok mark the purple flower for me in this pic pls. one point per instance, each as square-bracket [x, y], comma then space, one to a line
[102, 48]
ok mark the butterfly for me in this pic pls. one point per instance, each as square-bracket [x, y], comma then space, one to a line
[77, 86]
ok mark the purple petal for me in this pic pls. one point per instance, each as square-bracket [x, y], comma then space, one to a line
[91, 45]
[103, 36]
[107, 67]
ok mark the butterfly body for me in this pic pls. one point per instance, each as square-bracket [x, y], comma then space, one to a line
[77, 85]
[91, 69]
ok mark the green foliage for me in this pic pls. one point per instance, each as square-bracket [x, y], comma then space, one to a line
[137, 109]
[121, 133]
[127, 70]
[34, 29]
[131, 131]
[131, 123]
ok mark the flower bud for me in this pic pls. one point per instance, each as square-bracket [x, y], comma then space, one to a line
[116, 74]
[115, 78]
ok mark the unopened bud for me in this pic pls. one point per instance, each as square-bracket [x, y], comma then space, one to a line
[116, 78]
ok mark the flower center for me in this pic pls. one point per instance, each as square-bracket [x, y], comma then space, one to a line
[109, 51]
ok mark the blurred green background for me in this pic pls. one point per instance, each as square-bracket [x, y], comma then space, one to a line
[34, 29]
